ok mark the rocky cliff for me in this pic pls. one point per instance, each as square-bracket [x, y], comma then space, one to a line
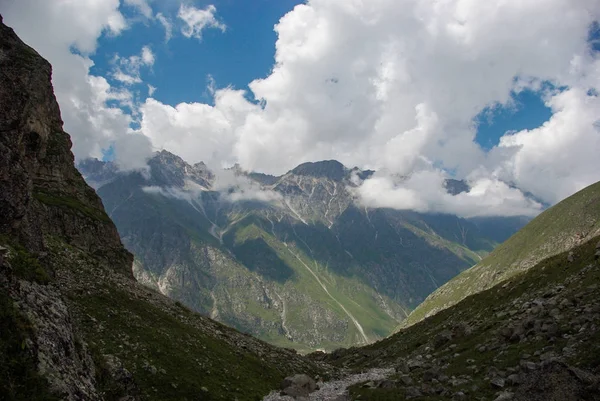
[75, 323]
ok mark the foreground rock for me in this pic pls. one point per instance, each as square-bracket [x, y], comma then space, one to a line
[335, 390]
[298, 385]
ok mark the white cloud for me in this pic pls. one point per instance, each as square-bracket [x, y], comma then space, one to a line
[397, 84]
[563, 155]
[127, 69]
[53, 28]
[384, 84]
[235, 187]
[196, 20]
[424, 192]
[167, 25]
[147, 56]
[151, 90]
[142, 6]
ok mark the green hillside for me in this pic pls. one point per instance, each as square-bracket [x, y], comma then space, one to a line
[560, 228]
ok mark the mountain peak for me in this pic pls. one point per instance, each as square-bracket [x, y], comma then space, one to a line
[331, 169]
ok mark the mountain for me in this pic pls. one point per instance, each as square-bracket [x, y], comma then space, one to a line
[294, 260]
[530, 332]
[75, 325]
[568, 224]
[534, 336]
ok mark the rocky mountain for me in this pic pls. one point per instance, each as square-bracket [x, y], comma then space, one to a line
[75, 325]
[294, 260]
[568, 224]
[532, 337]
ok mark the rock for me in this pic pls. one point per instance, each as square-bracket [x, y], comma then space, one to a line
[497, 382]
[504, 396]
[430, 374]
[406, 380]
[442, 338]
[570, 257]
[299, 385]
[513, 379]
[412, 392]
[401, 366]
[387, 384]
[415, 364]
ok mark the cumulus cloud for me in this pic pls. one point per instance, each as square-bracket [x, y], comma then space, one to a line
[424, 191]
[236, 187]
[397, 85]
[197, 20]
[127, 69]
[382, 84]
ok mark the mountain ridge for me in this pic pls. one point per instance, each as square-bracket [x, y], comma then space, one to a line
[303, 229]
[565, 225]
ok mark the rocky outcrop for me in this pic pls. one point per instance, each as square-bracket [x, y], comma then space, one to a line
[75, 324]
[41, 192]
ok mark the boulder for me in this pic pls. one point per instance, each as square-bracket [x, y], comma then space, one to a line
[298, 385]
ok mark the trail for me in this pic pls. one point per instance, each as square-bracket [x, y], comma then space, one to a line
[356, 323]
[332, 390]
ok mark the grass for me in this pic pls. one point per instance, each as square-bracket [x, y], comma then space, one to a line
[479, 311]
[552, 232]
[25, 265]
[358, 298]
[19, 380]
[72, 204]
[136, 332]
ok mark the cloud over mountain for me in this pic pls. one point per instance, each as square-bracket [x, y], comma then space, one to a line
[383, 84]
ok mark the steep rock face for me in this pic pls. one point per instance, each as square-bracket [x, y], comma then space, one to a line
[75, 324]
[42, 195]
[41, 192]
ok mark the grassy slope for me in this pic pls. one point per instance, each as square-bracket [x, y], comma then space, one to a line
[559, 228]
[355, 296]
[581, 280]
[201, 359]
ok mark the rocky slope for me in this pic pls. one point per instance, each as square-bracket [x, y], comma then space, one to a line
[535, 336]
[568, 224]
[294, 260]
[75, 323]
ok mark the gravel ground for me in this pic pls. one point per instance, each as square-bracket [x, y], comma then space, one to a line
[336, 389]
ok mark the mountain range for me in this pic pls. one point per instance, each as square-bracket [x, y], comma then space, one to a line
[295, 260]
[522, 325]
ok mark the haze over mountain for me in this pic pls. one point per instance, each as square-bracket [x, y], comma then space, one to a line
[296, 260]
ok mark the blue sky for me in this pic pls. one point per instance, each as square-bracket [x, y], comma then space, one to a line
[244, 52]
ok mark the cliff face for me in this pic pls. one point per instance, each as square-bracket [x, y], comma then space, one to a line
[41, 192]
[75, 325]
